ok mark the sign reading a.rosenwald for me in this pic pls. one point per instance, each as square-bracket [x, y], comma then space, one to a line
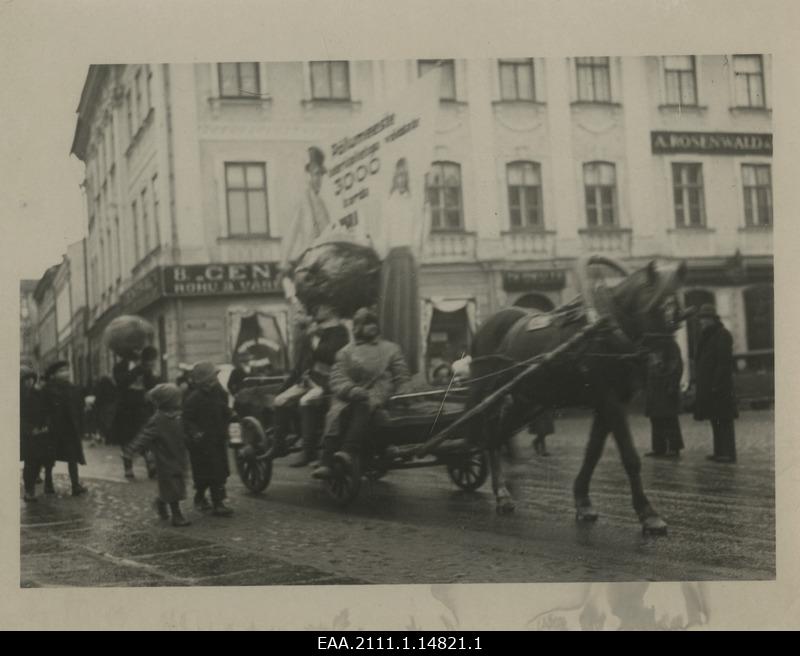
[711, 143]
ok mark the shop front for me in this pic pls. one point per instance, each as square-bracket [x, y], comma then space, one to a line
[539, 290]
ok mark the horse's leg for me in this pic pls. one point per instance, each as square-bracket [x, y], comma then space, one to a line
[503, 498]
[651, 522]
[594, 449]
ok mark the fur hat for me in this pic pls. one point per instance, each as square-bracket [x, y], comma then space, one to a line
[54, 368]
[166, 396]
[203, 372]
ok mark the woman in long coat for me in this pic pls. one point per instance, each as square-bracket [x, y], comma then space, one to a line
[64, 407]
[715, 399]
[206, 417]
[663, 398]
[36, 446]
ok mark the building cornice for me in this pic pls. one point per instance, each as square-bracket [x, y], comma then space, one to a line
[87, 106]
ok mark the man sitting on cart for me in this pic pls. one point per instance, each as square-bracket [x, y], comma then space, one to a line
[308, 385]
[365, 374]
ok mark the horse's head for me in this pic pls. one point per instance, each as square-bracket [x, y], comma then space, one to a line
[647, 303]
[644, 305]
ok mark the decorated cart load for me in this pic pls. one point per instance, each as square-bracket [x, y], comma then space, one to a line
[128, 334]
[342, 274]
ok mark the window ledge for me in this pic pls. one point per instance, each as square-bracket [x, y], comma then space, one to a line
[688, 229]
[311, 103]
[527, 231]
[253, 237]
[680, 109]
[596, 103]
[756, 228]
[750, 110]
[139, 131]
[508, 102]
[453, 102]
[603, 229]
[452, 231]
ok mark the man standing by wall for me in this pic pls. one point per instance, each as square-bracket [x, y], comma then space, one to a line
[715, 399]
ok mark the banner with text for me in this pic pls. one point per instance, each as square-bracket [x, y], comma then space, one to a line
[382, 155]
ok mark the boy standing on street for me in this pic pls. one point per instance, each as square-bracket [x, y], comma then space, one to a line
[163, 435]
[206, 416]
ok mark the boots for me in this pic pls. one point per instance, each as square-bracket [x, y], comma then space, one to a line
[178, 519]
[161, 509]
[221, 510]
[49, 488]
[201, 503]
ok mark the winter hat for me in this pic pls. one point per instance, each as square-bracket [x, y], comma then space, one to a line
[203, 372]
[316, 157]
[54, 368]
[707, 311]
[166, 396]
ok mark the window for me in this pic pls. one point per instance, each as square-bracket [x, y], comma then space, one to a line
[680, 80]
[119, 248]
[246, 198]
[330, 80]
[594, 79]
[111, 263]
[759, 310]
[156, 209]
[448, 73]
[129, 110]
[517, 80]
[135, 216]
[443, 189]
[757, 184]
[138, 91]
[113, 141]
[239, 80]
[600, 184]
[687, 189]
[748, 72]
[524, 195]
[145, 223]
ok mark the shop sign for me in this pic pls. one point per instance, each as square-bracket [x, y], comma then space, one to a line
[521, 281]
[221, 279]
[711, 143]
[142, 293]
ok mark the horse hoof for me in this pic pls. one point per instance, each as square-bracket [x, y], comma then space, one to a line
[654, 525]
[505, 507]
[586, 515]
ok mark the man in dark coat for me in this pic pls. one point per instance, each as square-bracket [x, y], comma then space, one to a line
[134, 377]
[206, 417]
[663, 399]
[715, 398]
[36, 446]
[64, 407]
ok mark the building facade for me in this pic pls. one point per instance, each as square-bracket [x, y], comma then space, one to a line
[193, 173]
[28, 325]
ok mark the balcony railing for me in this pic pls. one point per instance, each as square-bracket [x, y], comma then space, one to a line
[617, 241]
[755, 240]
[455, 246]
[529, 244]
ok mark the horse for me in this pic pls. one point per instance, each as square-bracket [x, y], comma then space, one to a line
[600, 371]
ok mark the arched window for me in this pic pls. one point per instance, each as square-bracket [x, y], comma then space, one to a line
[600, 185]
[535, 302]
[759, 308]
[524, 195]
[443, 189]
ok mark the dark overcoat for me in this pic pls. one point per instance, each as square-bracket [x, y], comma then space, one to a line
[132, 408]
[65, 420]
[164, 437]
[206, 417]
[663, 395]
[715, 396]
[35, 441]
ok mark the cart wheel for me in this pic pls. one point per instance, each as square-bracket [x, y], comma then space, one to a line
[345, 480]
[469, 472]
[255, 471]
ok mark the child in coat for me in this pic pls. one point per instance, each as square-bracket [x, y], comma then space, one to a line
[164, 436]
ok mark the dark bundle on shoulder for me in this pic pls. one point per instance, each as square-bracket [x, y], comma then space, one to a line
[344, 275]
[127, 334]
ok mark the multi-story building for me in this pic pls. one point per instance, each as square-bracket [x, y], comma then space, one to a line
[28, 324]
[193, 172]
